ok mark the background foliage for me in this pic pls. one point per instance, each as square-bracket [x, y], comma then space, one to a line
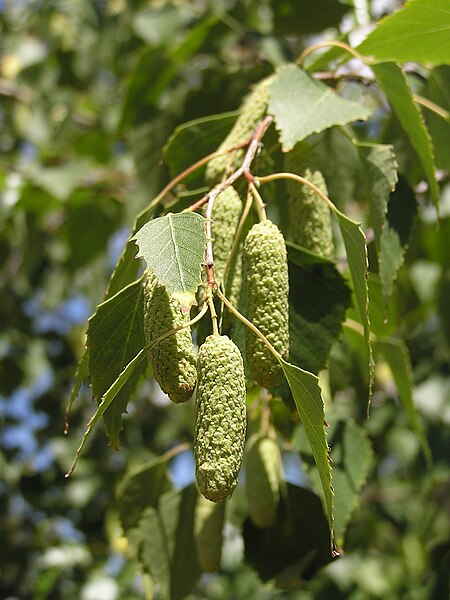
[90, 93]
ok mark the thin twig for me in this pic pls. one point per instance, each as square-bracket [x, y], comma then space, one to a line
[333, 43]
[438, 110]
[243, 170]
[260, 205]
[238, 233]
[299, 179]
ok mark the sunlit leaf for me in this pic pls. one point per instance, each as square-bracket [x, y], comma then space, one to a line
[173, 247]
[419, 32]
[302, 105]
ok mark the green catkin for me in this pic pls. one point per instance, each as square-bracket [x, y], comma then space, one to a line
[266, 289]
[208, 530]
[221, 417]
[263, 475]
[173, 359]
[309, 216]
[226, 214]
[252, 111]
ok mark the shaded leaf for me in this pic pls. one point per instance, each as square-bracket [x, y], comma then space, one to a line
[140, 489]
[106, 400]
[318, 298]
[296, 545]
[355, 247]
[396, 354]
[298, 17]
[173, 247]
[419, 32]
[115, 335]
[302, 105]
[177, 510]
[154, 553]
[380, 176]
[394, 84]
[309, 402]
[351, 463]
[193, 140]
[340, 164]
[402, 210]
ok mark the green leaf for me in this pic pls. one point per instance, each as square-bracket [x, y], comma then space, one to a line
[145, 141]
[106, 400]
[60, 181]
[154, 553]
[177, 510]
[127, 267]
[173, 247]
[296, 545]
[356, 249]
[309, 402]
[380, 176]
[340, 163]
[396, 354]
[300, 17]
[420, 32]
[402, 210]
[393, 82]
[140, 489]
[301, 106]
[193, 140]
[318, 299]
[115, 335]
[352, 459]
[437, 90]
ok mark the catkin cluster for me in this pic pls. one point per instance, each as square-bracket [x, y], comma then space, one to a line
[266, 289]
[173, 358]
[309, 216]
[252, 111]
[221, 417]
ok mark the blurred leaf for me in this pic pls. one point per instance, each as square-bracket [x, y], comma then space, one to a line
[402, 210]
[394, 84]
[296, 545]
[302, 105]
[355, 247]
[156, 69]
[309, 402]
[380, 176]
[318, 298]
[173, 247]
[154, 552]
[141, 489]
[177, 510]
[418, 32]
[115, 335]
[351, 464]
[296, 18]
[396, 354]
[156, 25]
[62, 180]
